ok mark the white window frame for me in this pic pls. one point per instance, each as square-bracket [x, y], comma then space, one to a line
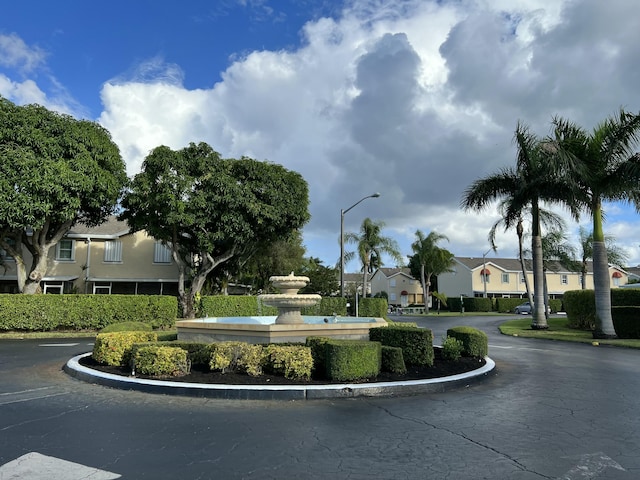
[392, 296]
[522, 277]
[505, 277]
[486, 277]
[392, 282]
[72, 250]
[161, 253]
[59, 286]
[113, 251]
[564, 279]
[616, 281]
[102, 289]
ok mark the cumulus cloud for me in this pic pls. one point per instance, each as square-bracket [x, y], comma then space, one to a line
[411, 98]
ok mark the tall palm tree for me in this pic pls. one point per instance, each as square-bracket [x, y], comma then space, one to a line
[609, 171]
[615, 254]
[547, 218]
[371, 245]
[430, 260]
[537, 177]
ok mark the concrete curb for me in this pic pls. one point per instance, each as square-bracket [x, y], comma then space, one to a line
[277, 392]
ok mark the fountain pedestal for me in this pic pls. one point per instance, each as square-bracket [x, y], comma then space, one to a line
[289, 303]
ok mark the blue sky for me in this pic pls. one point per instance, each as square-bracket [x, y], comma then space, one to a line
[414, 99]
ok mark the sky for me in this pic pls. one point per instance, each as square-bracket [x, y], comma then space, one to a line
[414, 99]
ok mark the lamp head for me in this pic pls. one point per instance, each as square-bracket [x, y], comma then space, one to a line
[375, 195]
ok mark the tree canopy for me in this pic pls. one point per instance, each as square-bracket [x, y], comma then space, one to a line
[209, 209]
[55, 171]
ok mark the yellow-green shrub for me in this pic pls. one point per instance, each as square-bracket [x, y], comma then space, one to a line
[161, 361]
[294, 362]
[115, 348]
[236, 357]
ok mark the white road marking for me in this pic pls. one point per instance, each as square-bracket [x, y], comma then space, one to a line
[34, 466]
[8, 398]
[58, 344]
[591, 465]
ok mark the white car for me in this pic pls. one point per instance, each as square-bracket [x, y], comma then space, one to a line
[525, 308]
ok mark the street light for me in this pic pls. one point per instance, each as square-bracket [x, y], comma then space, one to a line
[342, 212]
[484, 272]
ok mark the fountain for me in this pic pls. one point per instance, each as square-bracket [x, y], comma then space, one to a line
[288, 326]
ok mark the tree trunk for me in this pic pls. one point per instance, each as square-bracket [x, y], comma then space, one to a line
[520, 232]
[602, 287]
[539, 320]
[601, 283]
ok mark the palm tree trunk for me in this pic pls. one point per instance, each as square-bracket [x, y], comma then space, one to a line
[602, 287]
[601, 284]
[520, 232]
[539, 320]
[425, 290]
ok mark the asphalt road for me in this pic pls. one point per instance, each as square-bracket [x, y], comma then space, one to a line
[550, 411]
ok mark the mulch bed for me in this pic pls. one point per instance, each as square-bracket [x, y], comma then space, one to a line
[440, 368]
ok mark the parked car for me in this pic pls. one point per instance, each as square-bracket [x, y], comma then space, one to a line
[525, 308]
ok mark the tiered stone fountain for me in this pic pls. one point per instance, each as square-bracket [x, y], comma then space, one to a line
[289, 302]
[288, 326]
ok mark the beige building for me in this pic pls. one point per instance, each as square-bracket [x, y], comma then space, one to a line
[104, 259]
[502, 277]
[402, 289]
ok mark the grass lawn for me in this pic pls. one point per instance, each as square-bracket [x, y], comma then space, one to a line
[558, 330]
[163, 335]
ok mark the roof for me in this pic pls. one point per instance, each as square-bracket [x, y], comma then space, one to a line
[510, 264]
[111, 228]
[392, 272]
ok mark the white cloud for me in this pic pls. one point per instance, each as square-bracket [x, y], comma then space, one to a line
[411, 98]
[14, 52]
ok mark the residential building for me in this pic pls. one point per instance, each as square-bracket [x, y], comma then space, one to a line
[104, 259]
[401, 288]
[353, 281]
[502, 277]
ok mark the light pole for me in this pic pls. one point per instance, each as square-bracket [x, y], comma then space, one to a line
[484, 272]
[342, 212]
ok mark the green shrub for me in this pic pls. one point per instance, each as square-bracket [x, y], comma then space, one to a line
[580, 306]
[318, 346]
[475, 342]
[127, 327]
[416, 343]
[292, 361]
[372, 307]
[349, 360]
[392, 360]
[452, 349]
[198, 354]
[249, 306]
[237, 357]
[327, 306]
[625, 297]
[626, 321]
[115, 348]
[161, 361]
[84, 312]
[471, 304]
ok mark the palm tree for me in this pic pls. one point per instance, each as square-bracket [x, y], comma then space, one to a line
[430, 260]
[609, 171]
[547, 218]
[536, 177]
[371, 246]
[615, 254]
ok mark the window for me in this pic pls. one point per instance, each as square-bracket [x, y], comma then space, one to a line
[161, 253]
[486, 278]
[392, 282]
[616, 281]
[521, 278]
[564, 279]
[113, 251]
[392, 297]
[505, 278]
[65, 251]
[104, 289]
[4, 255]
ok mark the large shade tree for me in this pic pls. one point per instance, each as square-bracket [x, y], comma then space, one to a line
[371, 246]
[609, 171]
[429, 260]
[208, 209]
[539, 176]
[55, 171]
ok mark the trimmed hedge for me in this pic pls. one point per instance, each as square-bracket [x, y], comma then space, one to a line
[197, 353]
[115, 348]
[248, 306]
[626, 321]
[416, 343]
[161, 361]
[318, 348]
[372, 307]
[580, 306]
[84, 312]
[392, 360]
[475, 342]
[349, 360]
[127, 327]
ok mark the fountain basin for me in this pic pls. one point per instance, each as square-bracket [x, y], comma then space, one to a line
[264, 329]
